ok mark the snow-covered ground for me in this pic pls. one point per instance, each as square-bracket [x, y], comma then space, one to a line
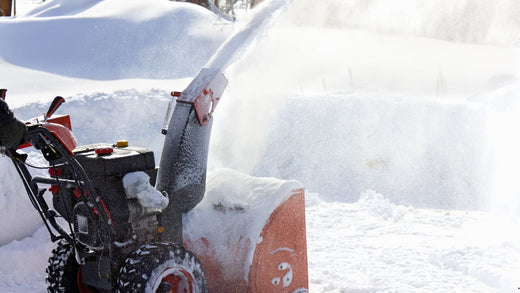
[399, 119]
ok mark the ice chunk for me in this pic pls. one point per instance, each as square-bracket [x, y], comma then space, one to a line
[137, 185]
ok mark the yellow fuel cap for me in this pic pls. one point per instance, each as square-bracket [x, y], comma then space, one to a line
[122, 143]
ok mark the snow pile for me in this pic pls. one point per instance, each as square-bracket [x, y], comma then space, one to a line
[137, 186]
[57, 8]
[23, 262]
[18, 218]
[113, 39]
[13, 203]
[377, 205]
[148, 41]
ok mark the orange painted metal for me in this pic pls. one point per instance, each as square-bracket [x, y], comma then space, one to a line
[64, 135]
[221, 278]
[204, 92]
[61, 127]
[61, 119]
[279, 260]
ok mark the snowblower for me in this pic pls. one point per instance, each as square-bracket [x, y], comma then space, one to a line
[105, 215]
[118, 220]
[115, 232]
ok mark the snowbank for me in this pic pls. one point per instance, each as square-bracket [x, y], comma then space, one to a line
[24, 262]
[18, 218]
[134, 115]
[116, 39]
[340, 145]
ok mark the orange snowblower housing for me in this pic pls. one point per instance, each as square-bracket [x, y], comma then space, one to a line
[252, 242]
[60, 127]
[250, 239]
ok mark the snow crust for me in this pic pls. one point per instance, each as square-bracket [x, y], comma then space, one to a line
[393, 125]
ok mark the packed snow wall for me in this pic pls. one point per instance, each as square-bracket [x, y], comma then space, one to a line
[159, 41]
[429, 153]
[426, 153]
[18, 217]
[134, 115]
[421, 153]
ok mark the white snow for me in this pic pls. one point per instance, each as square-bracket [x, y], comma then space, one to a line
[137, 186]
[400, 119]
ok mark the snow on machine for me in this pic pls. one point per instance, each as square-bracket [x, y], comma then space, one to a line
[116, 232]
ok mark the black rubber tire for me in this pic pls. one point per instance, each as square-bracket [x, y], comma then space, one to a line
[62, 272]
[150, 265]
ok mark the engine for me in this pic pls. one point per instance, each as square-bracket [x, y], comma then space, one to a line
[106, 165]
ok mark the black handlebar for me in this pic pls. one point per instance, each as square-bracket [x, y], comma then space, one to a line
[56, 103]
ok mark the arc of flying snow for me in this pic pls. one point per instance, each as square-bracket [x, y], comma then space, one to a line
[241, 41]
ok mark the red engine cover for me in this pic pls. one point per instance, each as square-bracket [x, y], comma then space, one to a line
[61, 127]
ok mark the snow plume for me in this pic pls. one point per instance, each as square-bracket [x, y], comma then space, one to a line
[238, 44]
[476, 21]
[298, 59]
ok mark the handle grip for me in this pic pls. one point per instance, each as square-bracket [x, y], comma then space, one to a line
[56, 103]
